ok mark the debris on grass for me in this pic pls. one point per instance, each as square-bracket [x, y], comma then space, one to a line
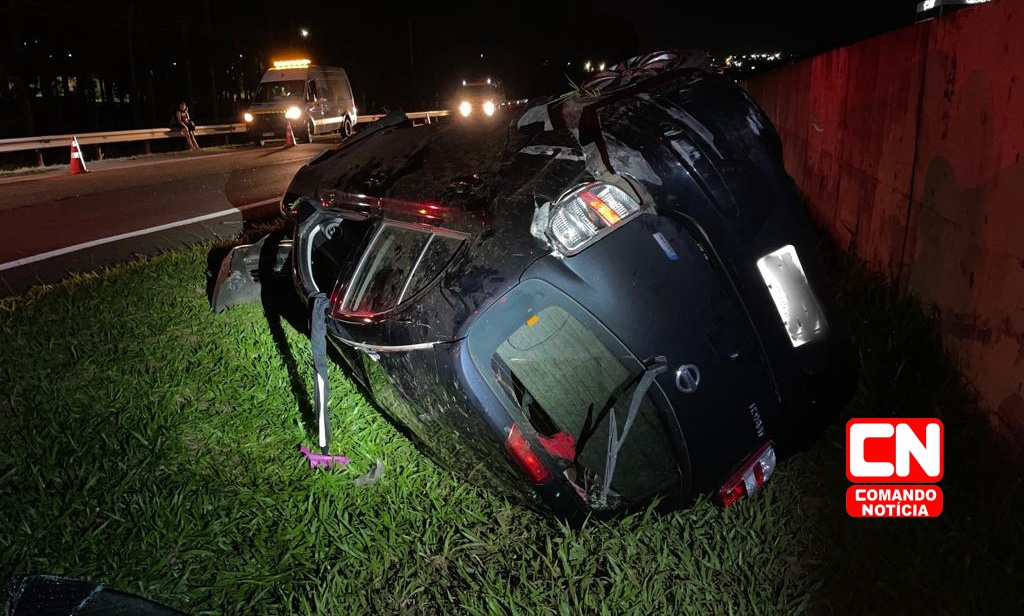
[319, 460]
[371, 477]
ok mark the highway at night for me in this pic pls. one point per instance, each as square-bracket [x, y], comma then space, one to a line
[53, 222]
[556, 308]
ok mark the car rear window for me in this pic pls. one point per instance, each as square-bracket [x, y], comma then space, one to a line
[399, 262]
[555, 364]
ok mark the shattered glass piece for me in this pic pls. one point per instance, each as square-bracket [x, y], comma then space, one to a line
[371, 477]
[559, 152]
[535, 115]
[539, 226]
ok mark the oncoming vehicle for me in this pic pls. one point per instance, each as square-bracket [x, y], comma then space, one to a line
[614, 296]
[480, 98]
[314, 99]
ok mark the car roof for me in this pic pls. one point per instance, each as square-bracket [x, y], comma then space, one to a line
[486, 178]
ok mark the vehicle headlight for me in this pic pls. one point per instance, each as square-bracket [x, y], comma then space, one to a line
[489, 108]
[465, 108]
[586, 212]
[293, 113]
[247, 116]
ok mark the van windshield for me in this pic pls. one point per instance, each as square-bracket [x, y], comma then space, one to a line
[479, 90]
[270, 91]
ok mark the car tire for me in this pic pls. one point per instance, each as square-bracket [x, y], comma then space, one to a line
[346, 128]
[307, 137]
[258, 142]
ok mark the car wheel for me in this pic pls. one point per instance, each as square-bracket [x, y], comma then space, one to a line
[258, 142]
[346, 129]
[308, 136]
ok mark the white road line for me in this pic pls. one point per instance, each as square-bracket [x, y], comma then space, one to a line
[132, 164]
[124, 236]
[199, 157]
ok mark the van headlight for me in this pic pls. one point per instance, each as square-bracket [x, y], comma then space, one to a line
[489, 108]
[465, 108]
[247, 116]
[293, 113]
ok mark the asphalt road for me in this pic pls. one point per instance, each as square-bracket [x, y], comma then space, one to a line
[53, 223]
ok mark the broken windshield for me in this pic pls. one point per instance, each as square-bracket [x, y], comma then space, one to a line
[556, 365]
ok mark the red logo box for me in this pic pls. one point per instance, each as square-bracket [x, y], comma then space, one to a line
[907, 450]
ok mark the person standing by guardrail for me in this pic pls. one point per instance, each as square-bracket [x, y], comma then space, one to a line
[188, 127]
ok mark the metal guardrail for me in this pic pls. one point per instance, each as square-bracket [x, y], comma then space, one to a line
[426, 116]
[21, 144]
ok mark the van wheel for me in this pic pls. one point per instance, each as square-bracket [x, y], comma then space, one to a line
[308, 136]
[346, 129]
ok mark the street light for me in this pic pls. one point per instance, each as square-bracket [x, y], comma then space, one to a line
[304, 32]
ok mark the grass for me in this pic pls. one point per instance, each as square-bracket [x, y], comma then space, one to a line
[151, 445]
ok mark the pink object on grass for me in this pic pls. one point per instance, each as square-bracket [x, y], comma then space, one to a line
[320, 460]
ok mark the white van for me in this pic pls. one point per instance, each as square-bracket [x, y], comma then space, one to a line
[314, 99]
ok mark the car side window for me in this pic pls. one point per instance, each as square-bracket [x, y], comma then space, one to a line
[345, 87]
[399, 262]
[313, 94]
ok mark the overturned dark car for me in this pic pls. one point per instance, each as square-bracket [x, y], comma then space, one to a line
[598, 301]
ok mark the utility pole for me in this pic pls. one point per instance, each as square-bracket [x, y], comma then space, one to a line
[131, 66]
[211, 55]
[412, 63]
[147, 54]
[187, 58]
[20, 86]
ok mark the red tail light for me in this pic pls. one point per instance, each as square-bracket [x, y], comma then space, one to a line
[751, 476]
[519, 448]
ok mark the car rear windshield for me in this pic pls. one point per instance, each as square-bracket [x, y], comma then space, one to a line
[270, 91]
[555, 365]
[399, 262]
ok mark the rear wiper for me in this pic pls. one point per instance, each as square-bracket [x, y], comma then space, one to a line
[643, 381]
[590, 424]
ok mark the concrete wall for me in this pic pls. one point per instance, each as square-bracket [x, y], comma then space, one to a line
[909, 149]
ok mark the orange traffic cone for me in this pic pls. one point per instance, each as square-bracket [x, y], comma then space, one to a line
[289, 136]
[77, 161]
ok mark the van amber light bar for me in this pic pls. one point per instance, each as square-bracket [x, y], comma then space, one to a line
[285, 64]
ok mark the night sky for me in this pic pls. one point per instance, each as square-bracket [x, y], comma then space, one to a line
[395, 57]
